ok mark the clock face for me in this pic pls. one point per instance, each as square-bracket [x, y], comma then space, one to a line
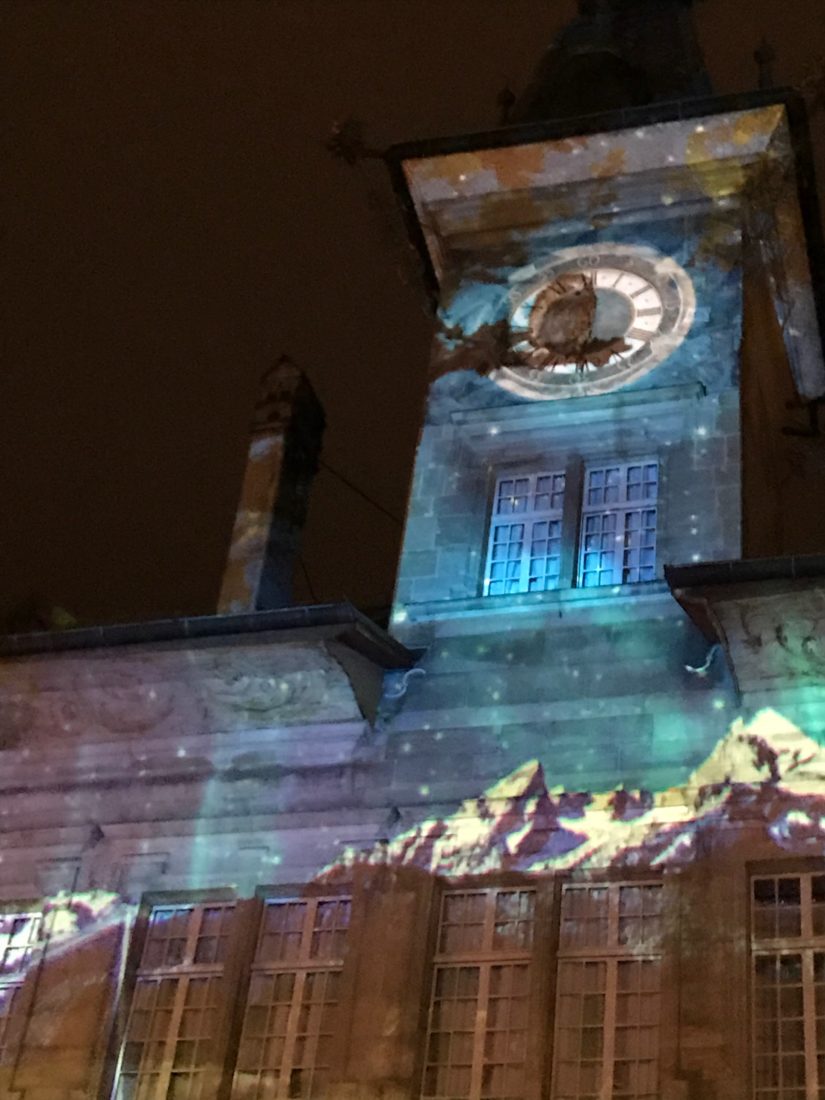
[594, 319]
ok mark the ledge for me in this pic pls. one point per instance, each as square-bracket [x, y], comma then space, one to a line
[556, 600]
[340, 621]
[527, 133]
[700, 588]
[531, 413]
[744, 571]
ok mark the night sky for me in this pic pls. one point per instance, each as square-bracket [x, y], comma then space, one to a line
[171, 224]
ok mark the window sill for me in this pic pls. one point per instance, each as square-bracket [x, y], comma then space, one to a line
[556, 599]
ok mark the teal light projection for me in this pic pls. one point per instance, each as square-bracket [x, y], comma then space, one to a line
[766, 772]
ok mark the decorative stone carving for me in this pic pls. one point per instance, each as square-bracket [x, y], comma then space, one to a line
[251, 688]
[778, 637]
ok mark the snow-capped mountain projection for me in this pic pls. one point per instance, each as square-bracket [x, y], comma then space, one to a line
[766, 772]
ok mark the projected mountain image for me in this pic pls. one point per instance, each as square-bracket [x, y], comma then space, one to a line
[766, 772]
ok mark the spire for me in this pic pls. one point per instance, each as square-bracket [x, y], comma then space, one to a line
[616, 53]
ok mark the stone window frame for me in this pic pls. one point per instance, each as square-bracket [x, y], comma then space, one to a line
[793, 953]
[178, 977]
[15, 992]
[574, 470]
[623, 507]
[483, 959]
[604, 960]
[301, 966]
[243, 938]
[548, 953]
[518, 567]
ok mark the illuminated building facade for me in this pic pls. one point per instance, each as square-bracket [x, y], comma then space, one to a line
[559, 832]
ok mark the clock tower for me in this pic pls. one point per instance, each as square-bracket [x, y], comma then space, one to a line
[627, 340]
[613, 569]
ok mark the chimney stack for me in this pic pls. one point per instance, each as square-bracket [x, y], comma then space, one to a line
[284, 444]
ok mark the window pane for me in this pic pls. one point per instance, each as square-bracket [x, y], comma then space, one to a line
[450, 1041]
[580, 1011]
[776, 909]
[513, 925]
[166, 940]
[281, 931]
[584, 916]
[330, 930]
[640, 915]
[462, 922]
[212, 934]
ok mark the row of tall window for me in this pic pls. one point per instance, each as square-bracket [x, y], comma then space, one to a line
[616, 519]
[290, 1013]
[606, 974]
[607, 993]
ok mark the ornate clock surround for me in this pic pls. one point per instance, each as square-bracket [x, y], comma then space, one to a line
[620, 272]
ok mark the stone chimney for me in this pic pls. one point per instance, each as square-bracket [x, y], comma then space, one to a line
[284, 444]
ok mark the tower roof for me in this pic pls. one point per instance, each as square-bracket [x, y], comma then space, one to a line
[617, 53]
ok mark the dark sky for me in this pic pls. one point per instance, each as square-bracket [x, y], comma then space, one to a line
[171, 224]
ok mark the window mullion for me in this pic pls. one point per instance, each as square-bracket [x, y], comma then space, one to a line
[169, 1047]
[530, 518]
[291, 1033]
[613, 914]
[809, 1025]
[192, 933]
[609, 1028]
[806, 915]
[305, 946]
[571, 522]
[480, 1032]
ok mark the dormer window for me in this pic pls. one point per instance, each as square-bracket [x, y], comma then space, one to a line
[608, 538]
